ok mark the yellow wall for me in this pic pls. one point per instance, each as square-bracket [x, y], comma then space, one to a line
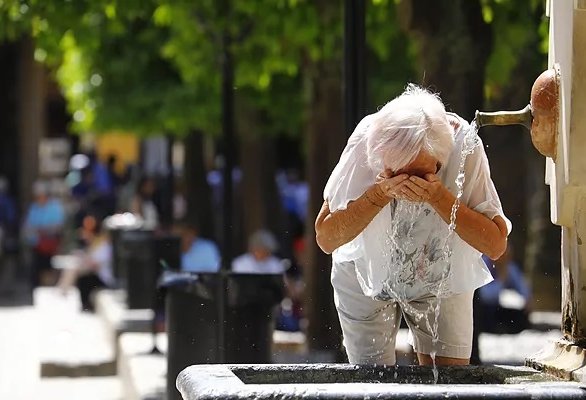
[125, 146]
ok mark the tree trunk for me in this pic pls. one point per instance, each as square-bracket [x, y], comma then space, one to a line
[31, 118]
[535, 238]
[454, 43]
[197, 189]
[261, 204]
[325, 141]
[9, 139]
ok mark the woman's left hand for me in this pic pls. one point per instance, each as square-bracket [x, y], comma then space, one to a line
[428, 190]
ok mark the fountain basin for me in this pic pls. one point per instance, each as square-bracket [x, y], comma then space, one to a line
[344, 381]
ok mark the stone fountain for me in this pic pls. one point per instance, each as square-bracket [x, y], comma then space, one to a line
[556, 118]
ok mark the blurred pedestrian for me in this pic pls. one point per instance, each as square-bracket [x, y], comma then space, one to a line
[92, 267]
[43, 229]
[198, 254]
[505, 302]
[8, 236]
[8, 219]
[260, 258]
[143, 205]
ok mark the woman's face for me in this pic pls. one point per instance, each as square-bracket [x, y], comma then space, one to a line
[422, 165]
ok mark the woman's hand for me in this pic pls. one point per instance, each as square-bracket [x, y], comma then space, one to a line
[428, 190]
[390, 186]
[485, 235]
[334, 229]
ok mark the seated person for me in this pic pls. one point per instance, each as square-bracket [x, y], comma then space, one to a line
[505, 302]
[259, 259]
[198, 254]
[93, 266]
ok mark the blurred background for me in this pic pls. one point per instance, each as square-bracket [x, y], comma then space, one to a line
[157, 149]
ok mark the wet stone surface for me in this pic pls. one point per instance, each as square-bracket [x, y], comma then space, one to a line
[288, 374]
[343, 381]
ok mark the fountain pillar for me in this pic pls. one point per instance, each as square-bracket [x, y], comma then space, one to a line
[567, 180]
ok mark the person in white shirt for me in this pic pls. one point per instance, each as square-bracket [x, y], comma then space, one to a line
[92, 266]
[385, 219]
[259, 259]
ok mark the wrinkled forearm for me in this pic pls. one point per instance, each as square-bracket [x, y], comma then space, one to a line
[485, 235]
[334, 229]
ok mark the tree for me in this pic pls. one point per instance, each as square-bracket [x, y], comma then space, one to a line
[518, 57]
[107, 60]
[453, 45]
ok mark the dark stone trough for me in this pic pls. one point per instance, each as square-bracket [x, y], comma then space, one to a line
[344, 381]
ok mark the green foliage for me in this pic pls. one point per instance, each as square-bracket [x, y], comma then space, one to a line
[392, 56]
[108, 61]
[151, 66]
[115, 76]
[516, 25]
[271, 51]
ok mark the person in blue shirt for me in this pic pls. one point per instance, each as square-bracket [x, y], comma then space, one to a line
[506, 301]
[198, 254]
[43, 230]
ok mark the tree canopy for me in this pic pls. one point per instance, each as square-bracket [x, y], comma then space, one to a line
[154, 66]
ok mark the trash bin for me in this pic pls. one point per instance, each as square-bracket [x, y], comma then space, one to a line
[192, 320]
[168, 251]
[117, 224]
[138, 259]
[119, 275]
[250, 317]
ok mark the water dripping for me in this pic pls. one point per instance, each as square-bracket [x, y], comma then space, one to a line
[471, 140]
[399, 237]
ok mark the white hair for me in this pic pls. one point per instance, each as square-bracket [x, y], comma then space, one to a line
[414, 121]
[41, 188]
[263, 239]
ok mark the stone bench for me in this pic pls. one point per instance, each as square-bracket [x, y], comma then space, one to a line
[72, 343]
[118, 319]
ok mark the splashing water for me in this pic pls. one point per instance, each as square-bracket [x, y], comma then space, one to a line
[395, 287]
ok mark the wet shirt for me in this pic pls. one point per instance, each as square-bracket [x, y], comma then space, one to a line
[406, 251]
[416, 263]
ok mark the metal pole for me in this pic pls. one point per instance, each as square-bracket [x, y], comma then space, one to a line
[354, 63]
[228, 139]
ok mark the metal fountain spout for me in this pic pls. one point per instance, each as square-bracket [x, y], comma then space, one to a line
[521, 117]
[540, 116]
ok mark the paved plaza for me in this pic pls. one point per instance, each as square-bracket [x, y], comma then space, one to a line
[49, 350]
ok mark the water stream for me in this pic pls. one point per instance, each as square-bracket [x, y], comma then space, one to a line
[400, 243]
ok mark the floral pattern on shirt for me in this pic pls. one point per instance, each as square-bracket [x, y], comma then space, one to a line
[418, 261]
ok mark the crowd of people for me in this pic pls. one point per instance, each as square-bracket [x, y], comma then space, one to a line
[67, 243]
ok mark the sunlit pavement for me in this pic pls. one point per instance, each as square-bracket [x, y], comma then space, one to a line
[20, 353]
[54, 328]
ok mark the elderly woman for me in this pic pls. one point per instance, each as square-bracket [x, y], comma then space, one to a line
[386, 218]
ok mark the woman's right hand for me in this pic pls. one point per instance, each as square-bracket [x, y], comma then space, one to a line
[390, 186]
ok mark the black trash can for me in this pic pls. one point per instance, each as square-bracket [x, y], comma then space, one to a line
[117, 225]
[168, 252]
[192, 321]
[137, 258]
[250, 317]
[117, 272]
